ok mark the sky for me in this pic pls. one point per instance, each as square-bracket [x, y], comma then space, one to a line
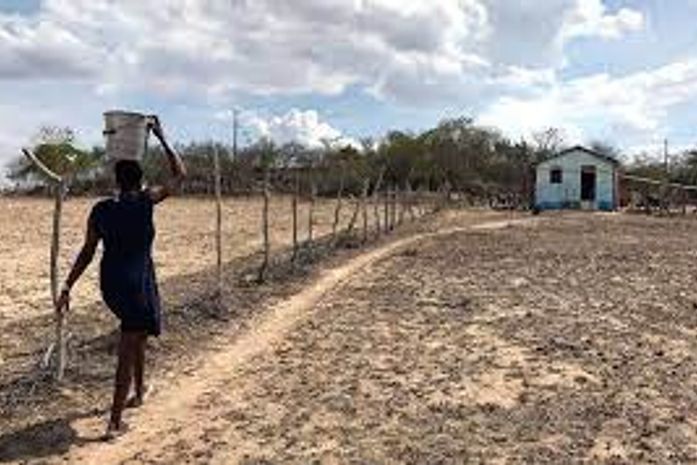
[624, 72]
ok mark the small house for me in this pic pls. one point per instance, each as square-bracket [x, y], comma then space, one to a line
[577, 178]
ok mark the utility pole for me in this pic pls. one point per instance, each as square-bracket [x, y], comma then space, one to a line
[666, 175]
[234, 134]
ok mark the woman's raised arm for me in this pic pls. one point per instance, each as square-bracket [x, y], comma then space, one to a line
[176, 165]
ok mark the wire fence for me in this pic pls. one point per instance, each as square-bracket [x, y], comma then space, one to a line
[286, 221]
[648, 195]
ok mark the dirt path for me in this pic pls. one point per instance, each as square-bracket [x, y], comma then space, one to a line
[174, 412]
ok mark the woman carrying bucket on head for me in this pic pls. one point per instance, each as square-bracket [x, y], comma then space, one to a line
[125, 226]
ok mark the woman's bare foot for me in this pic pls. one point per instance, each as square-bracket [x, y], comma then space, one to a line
[136, 401]
[114, 431]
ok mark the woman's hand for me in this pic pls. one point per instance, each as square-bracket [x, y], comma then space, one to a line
[63, 302]
[156, 127]
[159, 193]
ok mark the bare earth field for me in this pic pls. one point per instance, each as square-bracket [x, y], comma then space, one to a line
[470, 339]
[185, 242]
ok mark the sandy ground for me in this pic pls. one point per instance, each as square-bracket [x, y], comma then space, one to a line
[185, 243]
[564, 339]
[36, 414]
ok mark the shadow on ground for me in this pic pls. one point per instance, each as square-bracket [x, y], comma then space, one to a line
[45, 439]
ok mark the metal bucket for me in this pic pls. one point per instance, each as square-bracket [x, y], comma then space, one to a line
[126, 135]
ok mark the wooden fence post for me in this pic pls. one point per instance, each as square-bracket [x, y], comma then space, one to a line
[310, 218]
[395, 206]
[376, 201]
[385, 216]
[390, 199]
[55, 253]
[410, 200]
[337, 209]
[354, 215]
[218, 223]
[401, 205]
[265, 228]
[59, 191]
[364, 208]
[386, 209]
[296, 194]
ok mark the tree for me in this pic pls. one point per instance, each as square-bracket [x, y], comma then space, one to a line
[55, 147]
[547, 142]
[606, 148]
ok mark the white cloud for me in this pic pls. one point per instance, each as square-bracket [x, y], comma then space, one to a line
[303, 127]
[533, 33]
[407, 51]
[591, 18]
[465, 53]
[42, 49]
[635, 104]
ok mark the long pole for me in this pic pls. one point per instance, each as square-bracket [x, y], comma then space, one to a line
[666, 175]
[59, 193]
[311, 212]
[265, 228]
[296, 194]
[376, 200]
[234, 134]
[218, 221]
[55, 252]
[337, 209]
[364, 207]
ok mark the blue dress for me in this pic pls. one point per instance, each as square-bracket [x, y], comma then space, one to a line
[127, 273]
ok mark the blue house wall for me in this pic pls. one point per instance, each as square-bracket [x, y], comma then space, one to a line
[567, 194]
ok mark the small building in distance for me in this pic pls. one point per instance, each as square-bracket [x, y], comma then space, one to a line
[577, 178]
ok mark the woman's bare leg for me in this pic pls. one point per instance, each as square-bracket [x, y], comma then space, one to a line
[139, 368]
[124, 374]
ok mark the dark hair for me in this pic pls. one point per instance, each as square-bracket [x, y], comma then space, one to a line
[129, 175]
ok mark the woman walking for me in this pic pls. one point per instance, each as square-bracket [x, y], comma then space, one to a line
[125, 226]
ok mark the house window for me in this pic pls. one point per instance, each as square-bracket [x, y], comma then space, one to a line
[555, 176]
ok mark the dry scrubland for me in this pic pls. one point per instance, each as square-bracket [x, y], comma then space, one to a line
[565, 339]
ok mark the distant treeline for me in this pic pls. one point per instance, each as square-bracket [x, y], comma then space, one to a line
[456, 155]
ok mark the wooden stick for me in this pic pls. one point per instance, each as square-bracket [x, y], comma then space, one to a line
[55, 252]
[218, 222]
[386, 209]
[43, 168]
[354, 215]
[310, 218]
[364, 208]
[410, 201]
[59, 193]
[376, 200]
[265, 228]
[337, 209]
[294, 205]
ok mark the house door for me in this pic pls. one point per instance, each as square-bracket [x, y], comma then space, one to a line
[588, 181]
